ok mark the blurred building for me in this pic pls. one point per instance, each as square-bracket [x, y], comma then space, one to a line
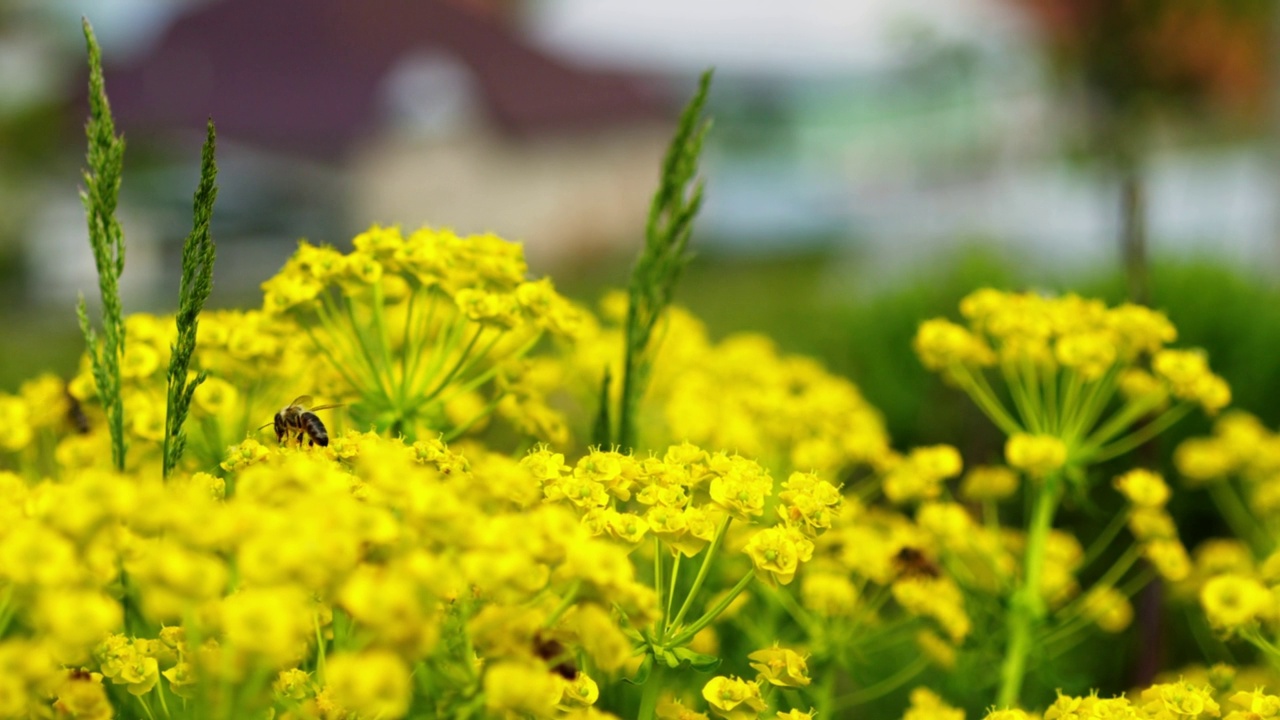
[893, 130]
[333, 115]
[902, 130]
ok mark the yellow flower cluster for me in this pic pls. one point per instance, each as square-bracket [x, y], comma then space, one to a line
[740, 393]
[380, 552]
[1240, 447]
[1179, 700]
[686, 499]
[1151, 524]
[407, 568]
[463, 303]
[1063, 359]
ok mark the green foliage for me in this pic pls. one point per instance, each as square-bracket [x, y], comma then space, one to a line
[100, 196]
[654, 277]
[197, 281]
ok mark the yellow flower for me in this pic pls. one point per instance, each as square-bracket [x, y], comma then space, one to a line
[919, 476]
[989, 482]
[797, 715]
[926, 705]
[741, 487]
[75, 620]
[938, 598]
[606, 644]
[1036, 455]
[1258, 704]
[1169, 558]
[1109, 608]
[372, 683]
[733, 698]
[942, 343]
[580, 691]
[777, 553]
[519, 689]
[15, 423]
[1089, 353]
[139, 675]
[140, 361]
[181, 679]
[1234, 601]
[828, 594]
[216, 396]
[670, 708]
[1143, 488]
[1179, 699]
[82, 696]
[274, 623]
[293, 684]
[941, 652]
[1203, 460]
[781, 666]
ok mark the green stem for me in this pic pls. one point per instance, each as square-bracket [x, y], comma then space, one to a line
[1239, 518]
[882, 688]
[496, 366]
[1026, 608]
[652, 687]
[986, 399]
[671, 591]
[1021, 397]
[1097, 396]
[1137, 437]
[702, 574]
[460, 430]
[1100, 543]
[366, 347]
[146, 706]
[415, 340]
[320, 643]
[657, 570]
[710, 616]
[463, 357]
[570, 595]
[1128, 415]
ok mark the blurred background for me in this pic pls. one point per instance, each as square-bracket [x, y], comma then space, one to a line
[871, 161]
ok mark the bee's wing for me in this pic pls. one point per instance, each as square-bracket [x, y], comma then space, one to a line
[325, 407]
[302, 400]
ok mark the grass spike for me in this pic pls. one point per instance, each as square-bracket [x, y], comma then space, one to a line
[665, 255]
[100, 197]
[198, 253]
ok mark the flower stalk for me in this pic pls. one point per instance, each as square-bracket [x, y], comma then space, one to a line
[1027, 608]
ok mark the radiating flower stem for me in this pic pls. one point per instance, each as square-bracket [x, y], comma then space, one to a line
[1026, 609]
[702, 574]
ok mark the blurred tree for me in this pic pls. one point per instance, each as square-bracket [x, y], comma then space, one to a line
[1141, 64]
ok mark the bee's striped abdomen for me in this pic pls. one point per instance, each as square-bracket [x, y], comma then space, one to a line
[314, 428]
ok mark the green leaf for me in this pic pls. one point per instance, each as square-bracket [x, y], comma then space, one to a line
[642, 675]
[698, 661]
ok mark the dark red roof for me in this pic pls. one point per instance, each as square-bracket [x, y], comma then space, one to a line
[305, 74]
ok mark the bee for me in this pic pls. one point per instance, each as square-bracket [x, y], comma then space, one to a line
[297, 418]
[912, 562]
[552, 651]
[75, 413]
